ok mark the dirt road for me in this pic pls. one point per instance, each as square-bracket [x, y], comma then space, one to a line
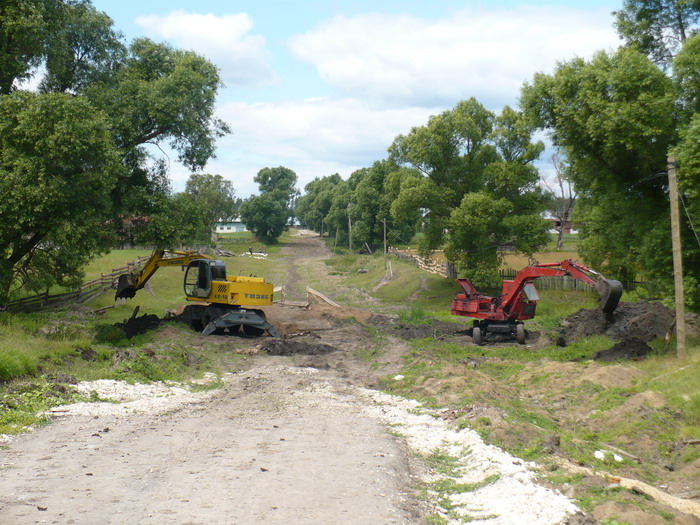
[294, 439]
[267, 448]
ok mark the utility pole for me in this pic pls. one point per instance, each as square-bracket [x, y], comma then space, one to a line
[677, 258]
[349, 232]
[385, 244]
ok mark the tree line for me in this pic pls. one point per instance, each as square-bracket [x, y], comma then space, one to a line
[78, 176]
[467, 182]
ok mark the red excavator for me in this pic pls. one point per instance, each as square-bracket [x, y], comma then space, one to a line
[505, 314]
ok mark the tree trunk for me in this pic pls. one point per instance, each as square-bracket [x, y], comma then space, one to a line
[560, 239]
[5, 280]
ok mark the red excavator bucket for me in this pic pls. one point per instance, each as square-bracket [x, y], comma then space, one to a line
[610, 292]
[126, 287]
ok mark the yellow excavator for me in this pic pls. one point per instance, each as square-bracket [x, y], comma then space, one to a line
[221, 296]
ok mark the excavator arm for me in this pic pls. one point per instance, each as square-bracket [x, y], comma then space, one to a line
[609, 291]
[130, 283]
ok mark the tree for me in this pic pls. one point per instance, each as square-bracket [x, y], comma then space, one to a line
[478, 227]
[82, 48]
[469, 156]
[280, 184]
[265, 216]
[23, 28]
[314, 205]
[149, 94]
[268, 214]
[657, 28]
[160, 94]
[54, 188]
[563, 197]
[213, 198]
[614, 117]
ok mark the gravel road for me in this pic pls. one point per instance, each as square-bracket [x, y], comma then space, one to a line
[272, 446]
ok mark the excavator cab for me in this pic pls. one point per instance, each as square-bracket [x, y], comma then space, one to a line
[199, 276]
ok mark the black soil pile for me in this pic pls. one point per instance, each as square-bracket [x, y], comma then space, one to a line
[641, 321]
[286, 348]
[631, 349]
[433, 328]
[139, 325]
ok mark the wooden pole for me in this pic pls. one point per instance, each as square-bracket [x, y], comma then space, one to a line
[677, 258]
[384, 244]
[349, 232]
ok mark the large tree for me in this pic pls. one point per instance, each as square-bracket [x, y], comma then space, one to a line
[658, 28]
[55, 188]
[148, 93]
[24, 26]
[314, 205]
[616, 118]
[265, 216]
[268, 214]
[214, 196]
[468, 156]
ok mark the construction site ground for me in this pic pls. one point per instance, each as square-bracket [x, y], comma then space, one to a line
[354, 418]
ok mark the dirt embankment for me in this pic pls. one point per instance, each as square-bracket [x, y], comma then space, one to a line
[632, 325]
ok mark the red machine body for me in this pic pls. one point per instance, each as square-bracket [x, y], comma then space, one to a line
[519, 297]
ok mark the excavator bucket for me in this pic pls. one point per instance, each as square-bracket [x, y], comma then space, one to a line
[126, 287]
[610, 292]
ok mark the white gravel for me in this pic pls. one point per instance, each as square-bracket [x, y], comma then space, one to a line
[129, 398]
[514, 497]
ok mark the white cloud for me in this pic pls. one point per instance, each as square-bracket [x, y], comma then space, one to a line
[225, 40]
[337, 130]
[313, 137]
[483, 53]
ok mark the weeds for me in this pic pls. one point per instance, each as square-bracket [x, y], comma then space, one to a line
[415, 316]
[26, 405]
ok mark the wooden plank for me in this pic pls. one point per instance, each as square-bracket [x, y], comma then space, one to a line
[319, 295]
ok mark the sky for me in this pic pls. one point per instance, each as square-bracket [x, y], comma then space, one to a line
[324, 87]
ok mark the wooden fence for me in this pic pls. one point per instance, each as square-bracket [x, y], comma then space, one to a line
[445, 270]
[449, 271]
[86, 291]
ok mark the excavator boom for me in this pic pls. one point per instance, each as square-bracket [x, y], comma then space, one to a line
[130, 283]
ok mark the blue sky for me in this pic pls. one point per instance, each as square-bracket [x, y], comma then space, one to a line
[323, 87]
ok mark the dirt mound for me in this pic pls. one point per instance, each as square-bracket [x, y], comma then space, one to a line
[615, 376]
[641, 321]
[285, 348]
[139, 325]
[433, 328]
[630, 349]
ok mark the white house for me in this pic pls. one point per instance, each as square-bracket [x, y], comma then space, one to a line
[230, 227]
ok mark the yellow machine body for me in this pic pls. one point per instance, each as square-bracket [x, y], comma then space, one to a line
[205, 280]
[238, 291]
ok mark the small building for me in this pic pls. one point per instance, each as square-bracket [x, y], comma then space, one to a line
[556, 224]
[230, 227]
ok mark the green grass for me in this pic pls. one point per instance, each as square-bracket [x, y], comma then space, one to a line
[114, 259]
[571, 242]
[23, 347]
[26, 404]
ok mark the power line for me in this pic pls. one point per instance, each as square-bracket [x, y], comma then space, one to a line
[690, 221]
